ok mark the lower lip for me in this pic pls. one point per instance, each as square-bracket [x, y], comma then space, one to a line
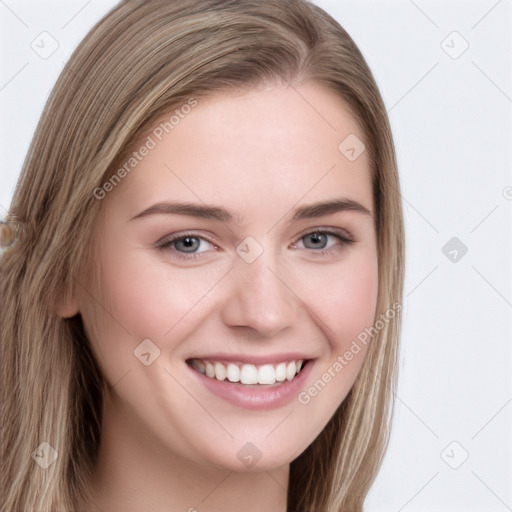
[258, 396]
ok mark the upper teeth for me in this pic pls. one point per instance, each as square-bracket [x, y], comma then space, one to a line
[249, 373]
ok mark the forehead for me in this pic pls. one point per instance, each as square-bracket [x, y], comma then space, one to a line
[272, 147]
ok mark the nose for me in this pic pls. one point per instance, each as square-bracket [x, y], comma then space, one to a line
[259, 298]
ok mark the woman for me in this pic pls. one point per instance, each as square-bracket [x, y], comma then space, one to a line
[202, 307]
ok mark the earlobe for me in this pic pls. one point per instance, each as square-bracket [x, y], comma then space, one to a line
[67, 307]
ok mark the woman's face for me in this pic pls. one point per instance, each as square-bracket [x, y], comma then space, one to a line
[236, 246]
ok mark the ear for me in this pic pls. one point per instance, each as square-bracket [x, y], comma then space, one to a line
[67, 310]
[67, 307]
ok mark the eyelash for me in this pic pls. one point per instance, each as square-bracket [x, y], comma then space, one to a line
[166, 243]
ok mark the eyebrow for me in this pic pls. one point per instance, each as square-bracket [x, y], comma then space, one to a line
[221, 214]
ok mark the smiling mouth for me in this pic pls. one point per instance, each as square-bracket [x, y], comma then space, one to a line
[249, 374]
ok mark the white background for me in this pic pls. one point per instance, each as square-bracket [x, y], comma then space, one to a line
[451, 119]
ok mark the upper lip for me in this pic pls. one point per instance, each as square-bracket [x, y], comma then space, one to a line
[254, 359]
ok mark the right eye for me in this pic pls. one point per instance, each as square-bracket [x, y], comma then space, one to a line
[185, 245]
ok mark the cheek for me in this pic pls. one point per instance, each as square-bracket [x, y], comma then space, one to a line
[346, 309]
[357, 298]
[344, 298]
[148, 296]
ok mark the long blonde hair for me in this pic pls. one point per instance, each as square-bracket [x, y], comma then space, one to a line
[141, 60]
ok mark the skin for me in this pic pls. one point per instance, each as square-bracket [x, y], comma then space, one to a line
[167, 442]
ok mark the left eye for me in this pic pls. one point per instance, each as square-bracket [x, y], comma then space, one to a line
[324, 242]
[316, 240]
